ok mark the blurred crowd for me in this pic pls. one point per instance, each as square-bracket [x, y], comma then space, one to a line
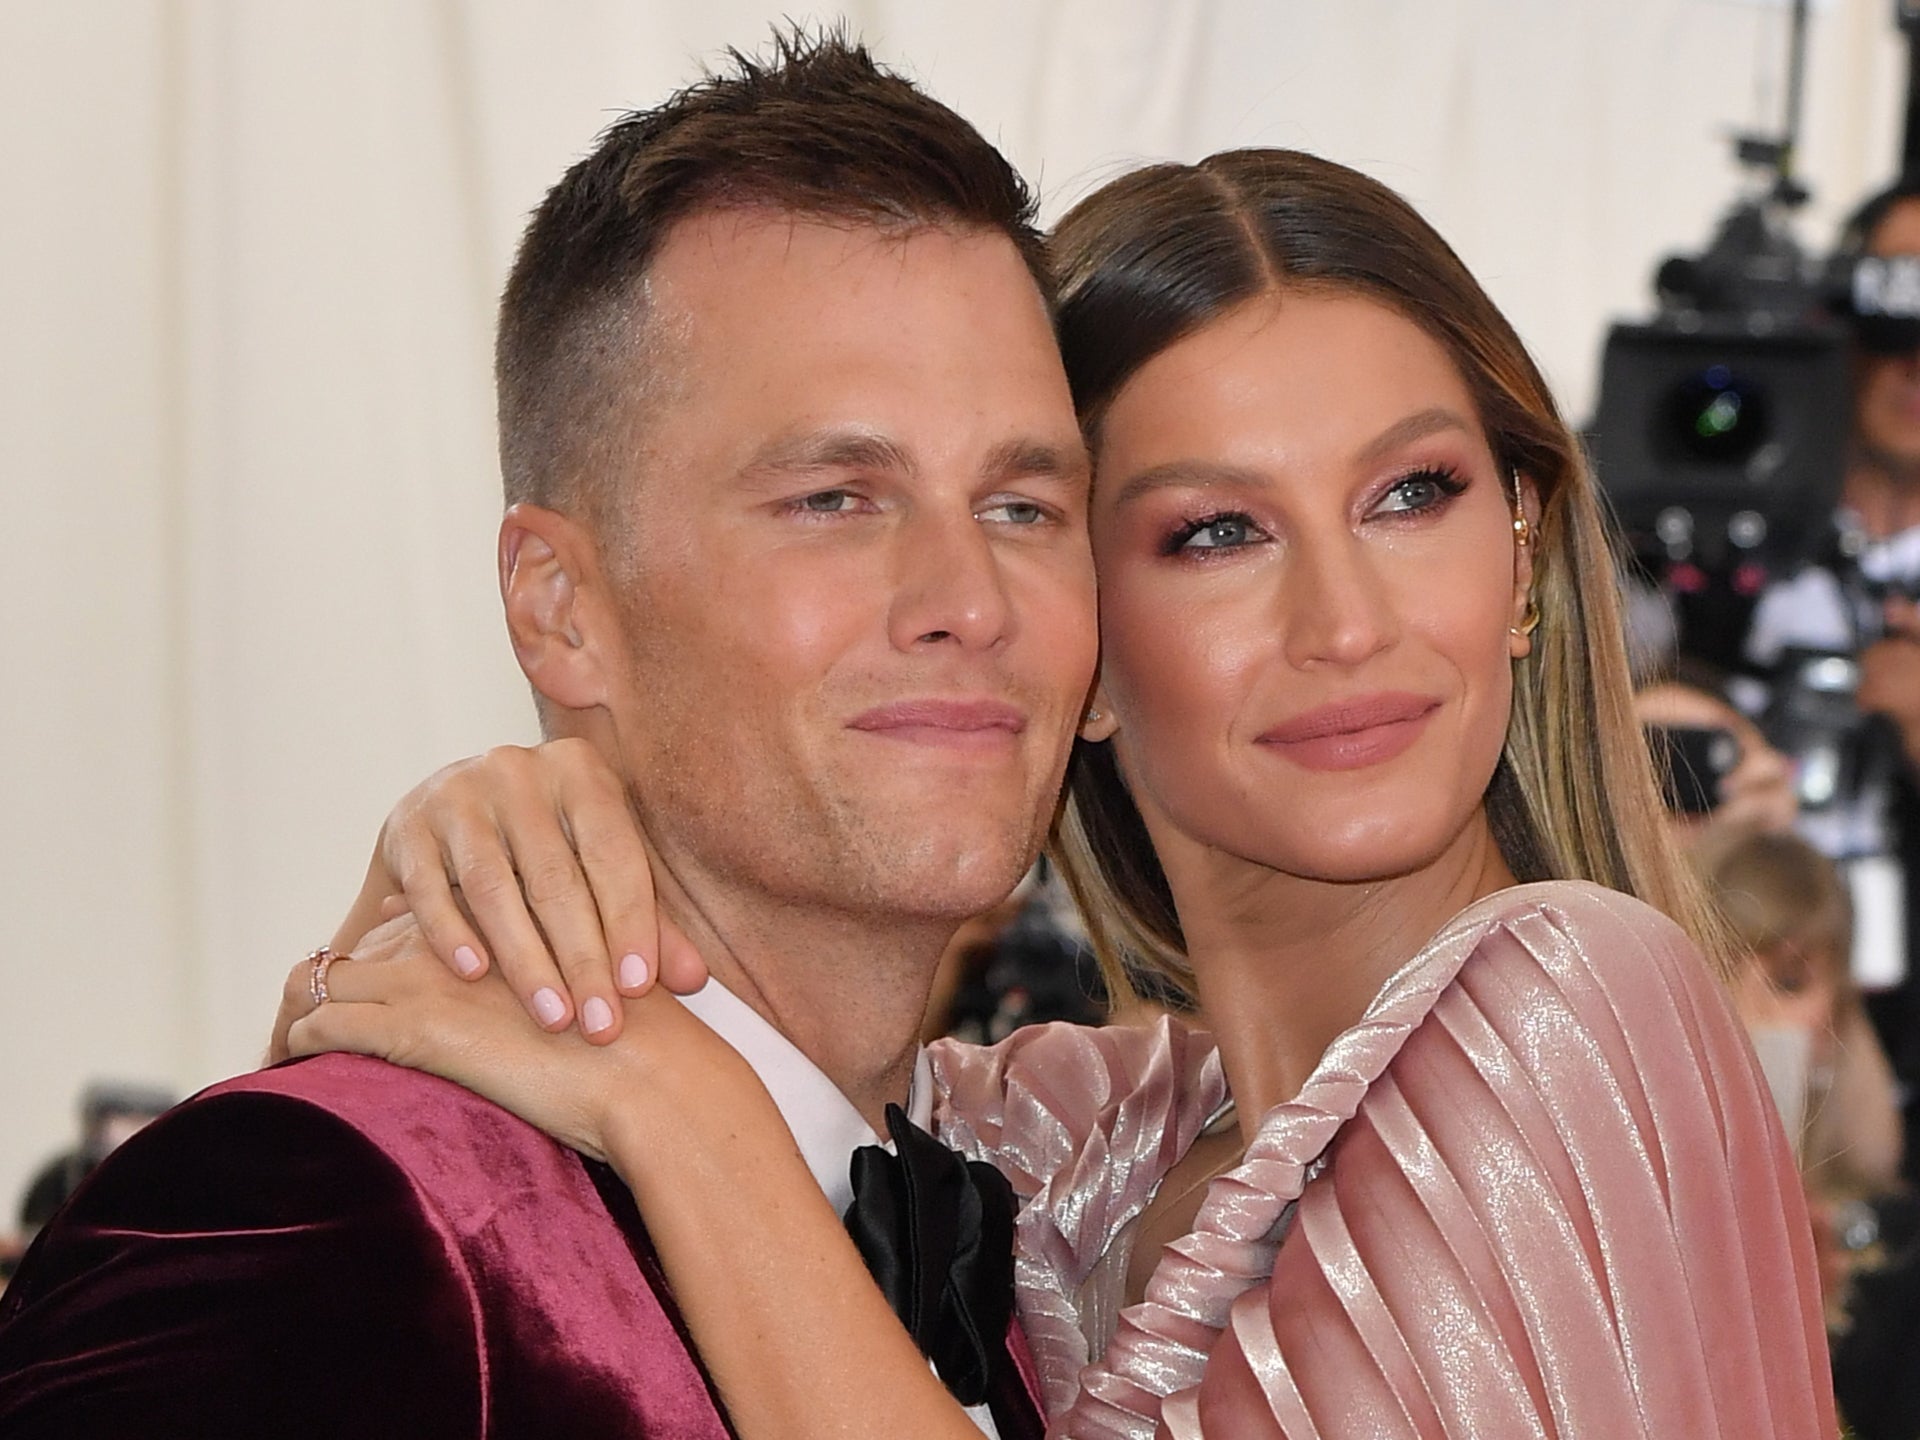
[1807, 833]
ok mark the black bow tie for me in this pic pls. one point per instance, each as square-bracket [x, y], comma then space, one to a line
[937, 1232]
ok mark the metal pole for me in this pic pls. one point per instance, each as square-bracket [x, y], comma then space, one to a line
[1906, 14]
[1796, 86]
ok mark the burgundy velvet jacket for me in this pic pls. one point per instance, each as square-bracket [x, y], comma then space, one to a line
[340, 1247]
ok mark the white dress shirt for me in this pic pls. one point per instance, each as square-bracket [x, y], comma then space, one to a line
[825, 1124]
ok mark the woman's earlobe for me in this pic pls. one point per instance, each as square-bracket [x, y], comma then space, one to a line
[1526, 566]
[1099, 723]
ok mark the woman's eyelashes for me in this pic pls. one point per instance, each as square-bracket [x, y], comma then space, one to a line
[1428, 488]
[1223, 530]
[1425, 491]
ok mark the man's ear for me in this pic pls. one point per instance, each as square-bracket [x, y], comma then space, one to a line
[559, 615]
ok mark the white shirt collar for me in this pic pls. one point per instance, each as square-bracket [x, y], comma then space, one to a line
[825, 1124]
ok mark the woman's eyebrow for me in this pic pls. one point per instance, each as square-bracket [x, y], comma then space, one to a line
[1203, 473]
[1195, 473]
[1416, 426]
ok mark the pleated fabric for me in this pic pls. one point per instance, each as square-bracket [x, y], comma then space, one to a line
[1539, 1190]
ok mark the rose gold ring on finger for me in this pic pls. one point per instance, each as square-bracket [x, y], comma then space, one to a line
[318, 964]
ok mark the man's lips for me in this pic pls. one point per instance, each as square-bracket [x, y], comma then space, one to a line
[1352, 734]
[967, 724]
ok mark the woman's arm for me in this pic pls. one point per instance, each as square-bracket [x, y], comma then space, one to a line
[502, 853]
[797, 1337]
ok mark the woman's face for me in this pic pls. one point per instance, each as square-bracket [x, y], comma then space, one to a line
[1308, 572]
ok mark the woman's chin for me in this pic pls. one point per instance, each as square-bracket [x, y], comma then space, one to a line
[1367, 852]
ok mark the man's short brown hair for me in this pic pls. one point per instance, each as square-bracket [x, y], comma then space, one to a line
[820, 131]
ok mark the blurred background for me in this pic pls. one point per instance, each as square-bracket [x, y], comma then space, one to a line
[249, 253]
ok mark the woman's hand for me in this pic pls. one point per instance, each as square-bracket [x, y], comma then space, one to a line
[1757, 795]
[394, 999]
[529, 860]
[736, 1217]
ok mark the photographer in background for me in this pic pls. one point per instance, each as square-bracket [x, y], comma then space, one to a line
[1731, 803]
[1882, 494]
[110, 1112]
[1859, 602]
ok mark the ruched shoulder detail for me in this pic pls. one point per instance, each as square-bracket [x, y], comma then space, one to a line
[1085, 1121]
[1538, 1190]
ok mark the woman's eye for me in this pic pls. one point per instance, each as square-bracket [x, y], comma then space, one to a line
[1420, 491]
[1217, 532]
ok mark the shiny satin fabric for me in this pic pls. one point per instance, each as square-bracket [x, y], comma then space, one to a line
[340, 1247]
[1538, 1190]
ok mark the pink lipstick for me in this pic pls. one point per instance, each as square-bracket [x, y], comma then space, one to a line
[1352, 734]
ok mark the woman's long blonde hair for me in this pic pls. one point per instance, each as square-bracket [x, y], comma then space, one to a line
[1155, 255]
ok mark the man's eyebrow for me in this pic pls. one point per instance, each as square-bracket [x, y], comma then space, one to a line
[822, 450]
[857, 449]
[1037, 459]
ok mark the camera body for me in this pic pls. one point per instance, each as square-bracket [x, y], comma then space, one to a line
[1722, 439]
[1692, 762]
[1724, 421]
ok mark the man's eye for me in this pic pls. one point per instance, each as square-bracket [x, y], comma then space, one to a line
[827, 502]
[1014, 512]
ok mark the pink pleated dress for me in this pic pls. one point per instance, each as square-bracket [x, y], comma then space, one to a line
[1539, 1190]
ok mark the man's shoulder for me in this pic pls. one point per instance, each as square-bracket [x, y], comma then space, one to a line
[396, 1109]
[491, 1281]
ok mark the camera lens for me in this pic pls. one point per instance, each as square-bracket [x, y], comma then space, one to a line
[1713, 416]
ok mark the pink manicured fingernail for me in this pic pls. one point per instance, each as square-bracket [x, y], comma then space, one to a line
[548, 1005]
[595, 1016]
[633, 972]
[466, 961]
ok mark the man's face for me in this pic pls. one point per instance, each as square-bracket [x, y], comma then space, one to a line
[1887, 390]
[856, 586]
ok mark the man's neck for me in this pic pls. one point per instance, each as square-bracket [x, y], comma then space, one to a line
[848, 991]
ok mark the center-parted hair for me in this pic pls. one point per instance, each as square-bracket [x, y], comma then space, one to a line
[819, 130]
[1158, 254]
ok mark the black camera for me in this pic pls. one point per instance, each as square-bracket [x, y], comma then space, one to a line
[1692, 762]
[1723, 423]
[1723, 436]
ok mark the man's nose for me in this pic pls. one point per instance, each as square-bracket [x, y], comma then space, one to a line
[1335, 604]
[948, 584]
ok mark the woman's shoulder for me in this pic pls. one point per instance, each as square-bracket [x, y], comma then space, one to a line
[1582, 913]
[1037, 1100]
[1550, 1129]
[1594, 962]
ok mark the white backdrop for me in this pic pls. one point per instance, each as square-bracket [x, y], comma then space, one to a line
[249, 251]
